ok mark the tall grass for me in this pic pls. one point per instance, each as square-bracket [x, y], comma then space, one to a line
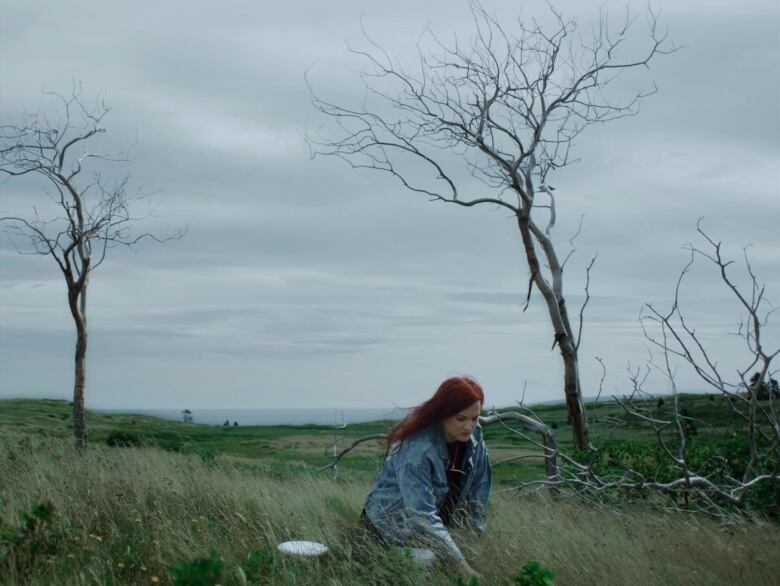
[126, 515]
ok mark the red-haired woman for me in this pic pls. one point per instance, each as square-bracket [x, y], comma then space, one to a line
[436, 475]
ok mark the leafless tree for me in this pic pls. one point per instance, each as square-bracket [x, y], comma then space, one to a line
[504, 109]
[677, 339]
[90, 214]
[712, 488]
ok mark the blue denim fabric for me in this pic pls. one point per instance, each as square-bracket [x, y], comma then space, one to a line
[404, 502]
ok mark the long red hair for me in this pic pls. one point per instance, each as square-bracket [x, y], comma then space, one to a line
[453, 396]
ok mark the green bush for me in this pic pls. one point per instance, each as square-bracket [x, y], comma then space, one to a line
[19, 546]
[204, 571]
[718, 458]
[533, 573]
[123, 439]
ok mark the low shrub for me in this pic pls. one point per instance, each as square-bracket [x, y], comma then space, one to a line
[123, 439]
[20, 546]
[203, 571]
[533, 573]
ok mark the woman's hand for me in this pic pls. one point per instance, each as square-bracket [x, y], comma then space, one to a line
[466, 571]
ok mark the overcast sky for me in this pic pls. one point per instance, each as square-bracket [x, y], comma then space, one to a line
[306, 283]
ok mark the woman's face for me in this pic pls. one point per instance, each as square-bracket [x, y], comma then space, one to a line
[460, 426]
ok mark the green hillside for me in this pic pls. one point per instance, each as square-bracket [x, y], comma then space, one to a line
[309, 446]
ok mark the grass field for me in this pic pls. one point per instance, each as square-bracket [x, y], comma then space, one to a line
[129, 515]
[308, 444]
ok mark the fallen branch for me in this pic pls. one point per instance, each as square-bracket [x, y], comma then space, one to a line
[548, 444]
[352, 446]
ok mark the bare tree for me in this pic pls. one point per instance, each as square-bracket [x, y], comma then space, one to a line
[89, 214]
[505, 110]
[677, 339]
[723, 482]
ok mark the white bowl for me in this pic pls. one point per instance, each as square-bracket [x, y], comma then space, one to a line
[303, 548]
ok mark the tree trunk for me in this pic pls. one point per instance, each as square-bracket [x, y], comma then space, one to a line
[77, 305]
[548, 440]
[573, 392]
[79, 419]
[559, 318]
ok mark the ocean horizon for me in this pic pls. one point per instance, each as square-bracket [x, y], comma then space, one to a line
[247, 417]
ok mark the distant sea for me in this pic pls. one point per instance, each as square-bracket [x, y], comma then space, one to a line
[271, 416]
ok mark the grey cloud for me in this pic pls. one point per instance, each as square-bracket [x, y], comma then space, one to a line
[298, 273]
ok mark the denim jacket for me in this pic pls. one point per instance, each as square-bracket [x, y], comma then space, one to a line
[404, 502]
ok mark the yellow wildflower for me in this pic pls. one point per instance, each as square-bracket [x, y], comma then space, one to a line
[155, 579]
[120, 564]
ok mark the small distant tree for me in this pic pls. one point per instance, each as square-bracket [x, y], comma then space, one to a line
[761, 388]
[504, 109]
[89, 215]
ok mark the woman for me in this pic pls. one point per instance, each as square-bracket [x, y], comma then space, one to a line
[436, 475]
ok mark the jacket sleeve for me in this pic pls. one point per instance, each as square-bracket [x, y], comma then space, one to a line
[416, 486]
[479, 493]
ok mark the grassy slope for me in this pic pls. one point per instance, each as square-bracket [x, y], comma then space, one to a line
[126, 515]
